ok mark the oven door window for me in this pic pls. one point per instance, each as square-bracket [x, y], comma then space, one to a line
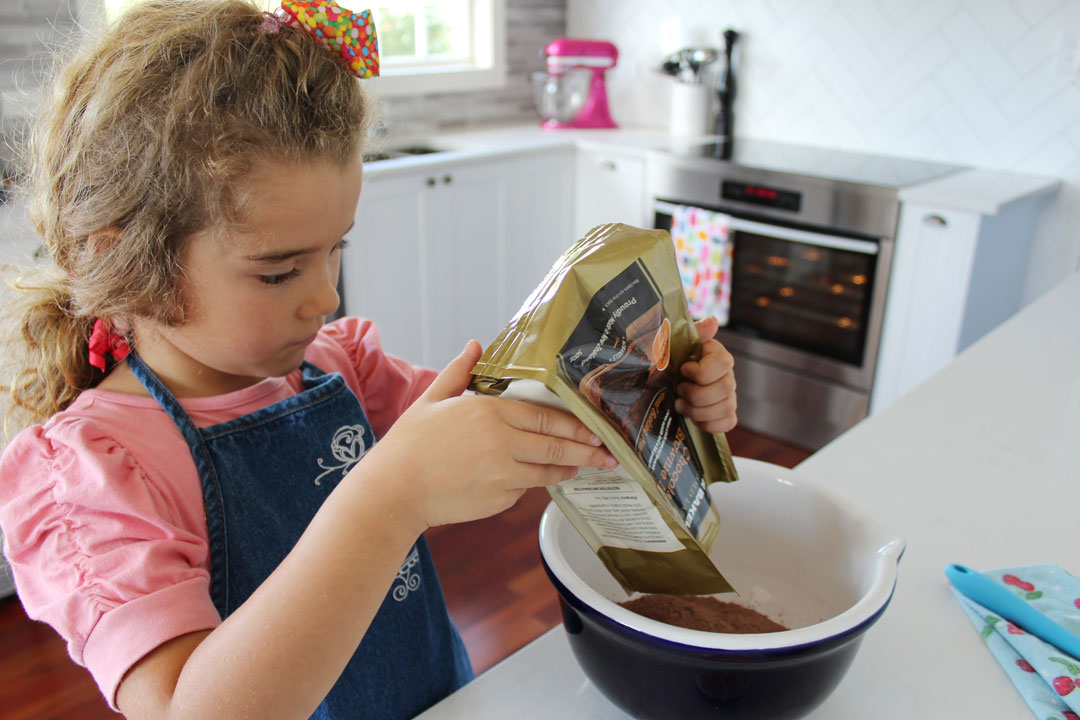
[802, 290]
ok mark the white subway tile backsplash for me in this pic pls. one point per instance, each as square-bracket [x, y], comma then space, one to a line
[765, 14]
[964, 81]
[851, 47]
[898, 10]
[971, 44]
[791, 32]
[867, 18]
[905, 116]
[1034, 91]
[1034, 11]
[999, 19]
[1054, 157]
[1072, 134]
[971, 100]
[1046, 120]
[921, 60]
[925, 18]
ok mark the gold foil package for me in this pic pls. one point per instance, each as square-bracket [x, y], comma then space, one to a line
[603, 337]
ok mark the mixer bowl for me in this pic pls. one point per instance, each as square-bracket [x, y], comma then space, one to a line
[561, 97]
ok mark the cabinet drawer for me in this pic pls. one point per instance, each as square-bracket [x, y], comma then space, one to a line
[610, 188]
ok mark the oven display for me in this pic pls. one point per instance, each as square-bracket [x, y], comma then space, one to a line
[761, 195]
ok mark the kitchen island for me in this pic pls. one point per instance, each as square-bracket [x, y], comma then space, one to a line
[977, 465]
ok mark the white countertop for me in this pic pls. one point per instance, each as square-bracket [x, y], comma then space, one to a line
[505, 141]
[977, 190]
[973, 190]
[533, 137]
[977, 466]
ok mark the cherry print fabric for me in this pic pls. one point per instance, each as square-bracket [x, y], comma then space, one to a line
[1047, 678]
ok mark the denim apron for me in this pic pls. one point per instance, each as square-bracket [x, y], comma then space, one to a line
[264, 475]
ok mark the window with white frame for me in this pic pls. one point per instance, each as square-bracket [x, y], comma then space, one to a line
[426, 45]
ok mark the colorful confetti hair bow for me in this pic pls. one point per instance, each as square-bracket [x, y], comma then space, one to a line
[346, 34]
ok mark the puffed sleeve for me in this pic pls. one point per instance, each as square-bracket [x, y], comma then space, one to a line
[386, 385]
[99, 550]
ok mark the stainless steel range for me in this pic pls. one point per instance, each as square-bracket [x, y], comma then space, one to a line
[812, 233]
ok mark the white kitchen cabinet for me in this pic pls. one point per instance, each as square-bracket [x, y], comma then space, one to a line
[610, 188]
[537, 223]
[958, 272]
[465, 245]
[381, 268]
[446, 252]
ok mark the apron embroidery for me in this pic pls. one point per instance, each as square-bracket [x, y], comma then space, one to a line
[347, 447]
[409, 580]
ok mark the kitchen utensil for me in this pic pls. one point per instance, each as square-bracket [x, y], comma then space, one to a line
[572, 93]
[998, 599]
[690, 97]
[688, 65]
[725, 93]
[792, 549]
[670, 65]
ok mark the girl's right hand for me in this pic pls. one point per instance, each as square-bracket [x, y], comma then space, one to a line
[454, 458]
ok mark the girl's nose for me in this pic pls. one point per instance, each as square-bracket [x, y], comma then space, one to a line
[324, 298]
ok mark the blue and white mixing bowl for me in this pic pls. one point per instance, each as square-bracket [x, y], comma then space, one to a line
[792, 549]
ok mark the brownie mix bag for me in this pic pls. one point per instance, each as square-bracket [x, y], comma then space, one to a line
[603, 336]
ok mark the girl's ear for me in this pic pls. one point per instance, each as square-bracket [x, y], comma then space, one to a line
[103, 239]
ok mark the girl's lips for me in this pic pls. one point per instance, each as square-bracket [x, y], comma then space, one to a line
[307, 341]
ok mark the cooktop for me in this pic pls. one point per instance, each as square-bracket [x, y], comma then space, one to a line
[843, 165]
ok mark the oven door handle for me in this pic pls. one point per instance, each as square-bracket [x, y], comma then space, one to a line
[806, 237]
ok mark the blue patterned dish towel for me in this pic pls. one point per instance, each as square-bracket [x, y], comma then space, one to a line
[1047, 678]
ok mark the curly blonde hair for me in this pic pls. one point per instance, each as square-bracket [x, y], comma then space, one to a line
[148, 132]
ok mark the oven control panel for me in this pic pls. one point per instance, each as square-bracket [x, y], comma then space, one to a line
[763, 195]
[816, 203]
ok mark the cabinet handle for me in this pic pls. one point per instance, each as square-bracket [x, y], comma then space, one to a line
[608, 165]
[935, 220]
[431, 182]
[447, 179]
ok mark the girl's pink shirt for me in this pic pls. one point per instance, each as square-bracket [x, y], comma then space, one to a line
[102, 510]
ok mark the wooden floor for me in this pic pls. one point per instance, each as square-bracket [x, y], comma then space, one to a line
[490, 571]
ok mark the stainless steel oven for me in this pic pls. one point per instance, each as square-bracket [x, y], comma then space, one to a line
[811, 255]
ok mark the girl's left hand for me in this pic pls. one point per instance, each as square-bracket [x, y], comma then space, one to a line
[709, 397]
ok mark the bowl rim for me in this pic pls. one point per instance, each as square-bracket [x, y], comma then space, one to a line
[856, 618]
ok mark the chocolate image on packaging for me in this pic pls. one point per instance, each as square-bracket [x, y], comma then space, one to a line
[603, 337]
[618, 364]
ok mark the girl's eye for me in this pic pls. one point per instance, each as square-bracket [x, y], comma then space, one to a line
[282, 278]
[278, 279]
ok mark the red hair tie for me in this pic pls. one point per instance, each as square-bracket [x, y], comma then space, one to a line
[103, 341]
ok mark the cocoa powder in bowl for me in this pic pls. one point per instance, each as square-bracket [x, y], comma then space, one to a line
[701, 612]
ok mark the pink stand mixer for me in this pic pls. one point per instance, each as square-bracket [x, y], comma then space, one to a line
[571, 94]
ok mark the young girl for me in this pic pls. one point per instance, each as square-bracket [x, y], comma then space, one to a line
[202, 511]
